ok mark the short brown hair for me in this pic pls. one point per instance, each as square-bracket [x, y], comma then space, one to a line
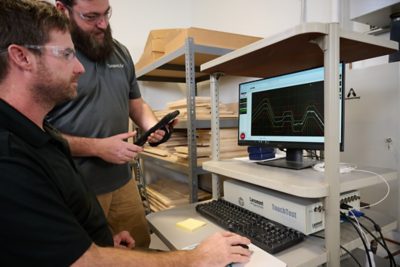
[27, 22]
[69, 3]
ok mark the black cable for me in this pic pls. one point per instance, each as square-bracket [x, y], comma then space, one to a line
[361, 237]
[312, 154]
[347, 251]
[380, 243]
[383, 243]
[379, 230]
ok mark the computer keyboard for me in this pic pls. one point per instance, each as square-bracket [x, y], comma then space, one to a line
[271, 236]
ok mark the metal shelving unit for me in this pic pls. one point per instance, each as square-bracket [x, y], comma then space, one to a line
[306, 46]
[183, 66]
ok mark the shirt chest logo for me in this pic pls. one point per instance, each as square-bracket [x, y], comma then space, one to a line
[115, 66]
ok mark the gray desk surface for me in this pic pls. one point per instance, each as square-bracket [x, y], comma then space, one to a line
[310, 252]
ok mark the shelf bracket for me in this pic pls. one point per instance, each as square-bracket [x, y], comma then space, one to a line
[218, 75]
[321, 42]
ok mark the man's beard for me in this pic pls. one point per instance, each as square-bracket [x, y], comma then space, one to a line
[49, 90]
[89, 45]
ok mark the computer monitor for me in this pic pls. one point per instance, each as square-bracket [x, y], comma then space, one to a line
[287, 112]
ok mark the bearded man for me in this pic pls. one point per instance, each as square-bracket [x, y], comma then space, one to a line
[96, 123]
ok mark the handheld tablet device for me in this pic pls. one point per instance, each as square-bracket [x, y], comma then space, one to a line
[162, 123]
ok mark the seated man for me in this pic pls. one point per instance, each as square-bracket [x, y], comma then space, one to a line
[49, 217]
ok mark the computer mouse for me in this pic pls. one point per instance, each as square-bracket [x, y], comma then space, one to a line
[242, 245]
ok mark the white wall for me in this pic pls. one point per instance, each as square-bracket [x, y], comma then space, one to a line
[256, 17]
[132, 20]
[369, 122]
[131, 23]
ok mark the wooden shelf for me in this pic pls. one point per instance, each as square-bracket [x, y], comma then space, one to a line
[296, 49]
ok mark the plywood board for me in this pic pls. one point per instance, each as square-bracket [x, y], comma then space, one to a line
[156, 151]
[168, 193]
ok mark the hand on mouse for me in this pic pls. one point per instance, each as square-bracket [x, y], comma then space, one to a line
[222, 249]
[242, 245]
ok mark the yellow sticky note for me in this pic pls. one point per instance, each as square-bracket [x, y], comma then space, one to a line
[190, 224]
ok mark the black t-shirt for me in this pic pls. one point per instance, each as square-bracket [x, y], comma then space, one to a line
[48, 217]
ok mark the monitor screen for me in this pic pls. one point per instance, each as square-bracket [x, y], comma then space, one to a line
[287, 112]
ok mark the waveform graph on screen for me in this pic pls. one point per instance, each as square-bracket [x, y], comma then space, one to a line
[292, 111]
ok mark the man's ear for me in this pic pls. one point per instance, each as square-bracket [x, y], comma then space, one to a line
[60, 6]
[19, 57]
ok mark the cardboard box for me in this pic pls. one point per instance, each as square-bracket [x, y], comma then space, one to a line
[155, 45]
[157, 39]
[164, 41]
[211, 38]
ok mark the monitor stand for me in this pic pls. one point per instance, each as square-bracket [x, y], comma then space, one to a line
[294, 160]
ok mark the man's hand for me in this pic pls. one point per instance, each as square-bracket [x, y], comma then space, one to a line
[221, 249]
[124, 240]
[158, 135]
[115, 149]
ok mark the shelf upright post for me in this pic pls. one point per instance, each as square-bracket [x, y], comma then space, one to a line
[215, 136]
[332, 155]
[191, 118]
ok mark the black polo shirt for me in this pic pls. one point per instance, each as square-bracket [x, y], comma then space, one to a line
[48, 217]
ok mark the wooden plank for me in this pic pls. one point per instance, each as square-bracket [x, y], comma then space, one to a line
[168, 193]
[206, 151]
[156, 151]
[201, 151]
[182, 102]
[233, 154]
